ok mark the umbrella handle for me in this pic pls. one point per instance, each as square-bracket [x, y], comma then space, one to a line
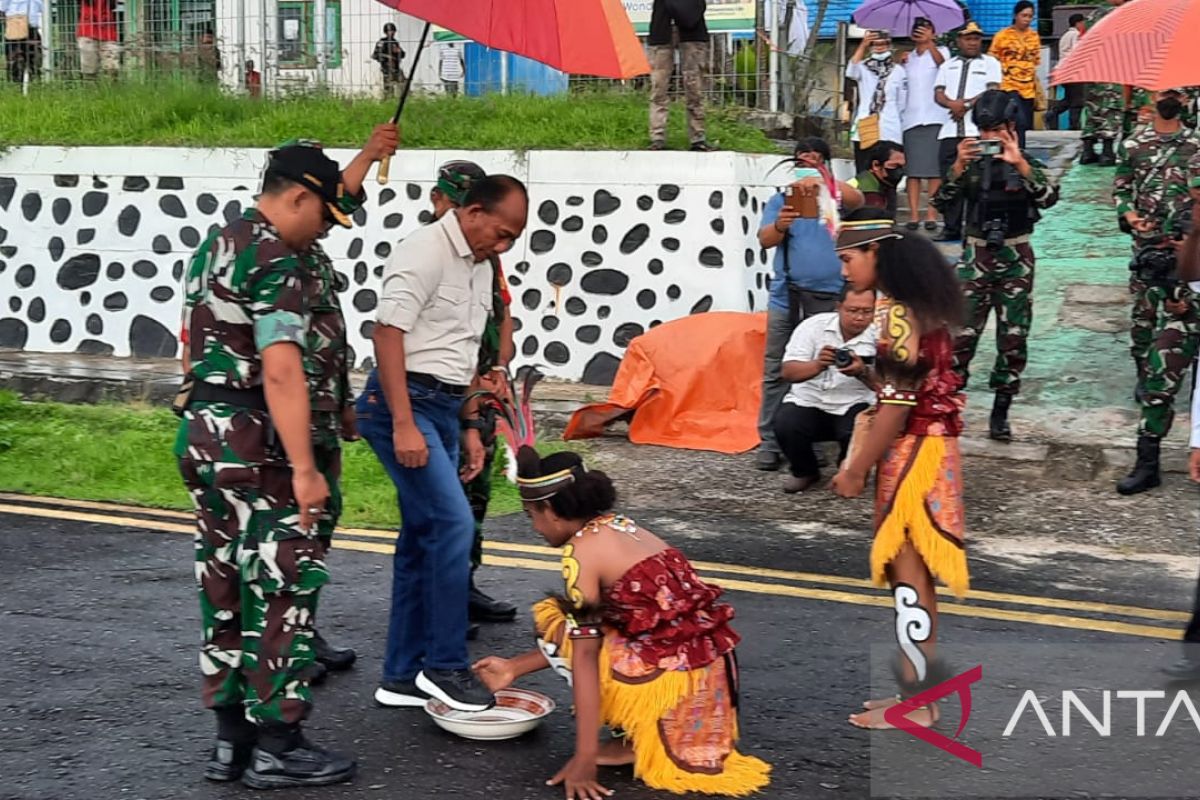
[385, 164]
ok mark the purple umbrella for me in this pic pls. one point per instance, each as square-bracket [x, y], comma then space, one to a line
[897, 16]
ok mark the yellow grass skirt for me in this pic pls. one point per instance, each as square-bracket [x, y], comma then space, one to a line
[918, 499]
[682, 724]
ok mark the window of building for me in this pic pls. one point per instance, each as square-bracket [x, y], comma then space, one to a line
[297, 34]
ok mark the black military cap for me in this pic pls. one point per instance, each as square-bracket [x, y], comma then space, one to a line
[303, 161]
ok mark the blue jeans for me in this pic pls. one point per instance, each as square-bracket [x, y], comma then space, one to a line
[431, 569]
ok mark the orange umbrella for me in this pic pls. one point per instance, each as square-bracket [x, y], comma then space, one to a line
[1144, 43]
[582, 37]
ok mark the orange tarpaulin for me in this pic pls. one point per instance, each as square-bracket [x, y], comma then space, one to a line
[694, 383]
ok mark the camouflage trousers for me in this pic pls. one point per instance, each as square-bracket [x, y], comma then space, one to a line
[259, 576]
[692, 56]
[1105, 111]
[1000, 279]
[1164, 346]
[479, 494]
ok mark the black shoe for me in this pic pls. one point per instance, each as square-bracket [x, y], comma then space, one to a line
[305, 764]
[1087, 154]
[947, 236]
[1145, 474]
[457, 688]
[483, 608]
[1107, 157]
[335, 659]
[400, 694]
[998, 428]
[228, 760]
[656, 146]
[767, 461]
[702, 147]
[1185, 669]
[315, 673]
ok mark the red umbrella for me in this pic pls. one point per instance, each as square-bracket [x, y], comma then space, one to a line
[1147, 43]
[583, 37]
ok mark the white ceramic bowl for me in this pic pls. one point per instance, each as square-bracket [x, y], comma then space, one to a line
[517, 711]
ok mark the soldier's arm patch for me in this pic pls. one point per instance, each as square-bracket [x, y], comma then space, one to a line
[278, 326]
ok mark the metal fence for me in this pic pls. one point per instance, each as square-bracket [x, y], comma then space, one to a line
[276, 47]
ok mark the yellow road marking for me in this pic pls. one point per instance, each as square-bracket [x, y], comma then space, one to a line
[856, 598]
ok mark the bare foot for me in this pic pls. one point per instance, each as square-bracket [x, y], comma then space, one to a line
[883, 702]
[926, 717]
[614, 754]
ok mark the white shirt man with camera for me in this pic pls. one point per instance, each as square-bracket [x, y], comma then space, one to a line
[825, 361]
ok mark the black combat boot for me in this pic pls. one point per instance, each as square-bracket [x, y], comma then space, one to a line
[1145, 474]
[335, 659]
[236, 737]
[998, 427]
[284, 758]
[1107, 157]
[481, 607]
[1087, 152]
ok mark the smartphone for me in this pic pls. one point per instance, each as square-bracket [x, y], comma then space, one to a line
[990, 147]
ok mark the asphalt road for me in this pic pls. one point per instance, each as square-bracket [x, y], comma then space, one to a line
[99, 695]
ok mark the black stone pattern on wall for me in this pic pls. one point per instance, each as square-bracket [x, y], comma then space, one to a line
[93, 265]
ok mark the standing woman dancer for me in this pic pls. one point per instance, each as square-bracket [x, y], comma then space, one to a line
[913, 440]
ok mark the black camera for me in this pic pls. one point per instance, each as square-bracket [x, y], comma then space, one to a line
[1156, 265]
[843, 357]
[993, 233]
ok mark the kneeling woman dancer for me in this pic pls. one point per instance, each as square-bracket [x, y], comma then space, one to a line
[912, 438]
[642, 639]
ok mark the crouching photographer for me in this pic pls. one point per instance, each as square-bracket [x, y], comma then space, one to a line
[1004, 192]
[826, 362]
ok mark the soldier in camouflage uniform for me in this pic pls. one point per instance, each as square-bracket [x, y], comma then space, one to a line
[1104, 107]
[1159, 168]
[259, 452]
[495, 352]
[1003, 194]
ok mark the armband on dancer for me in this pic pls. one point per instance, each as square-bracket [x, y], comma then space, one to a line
[889, 395]
[585, 632]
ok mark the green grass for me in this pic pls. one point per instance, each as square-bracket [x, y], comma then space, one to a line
[122, 454]
[175, 114]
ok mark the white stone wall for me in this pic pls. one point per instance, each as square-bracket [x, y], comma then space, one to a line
[93, 242]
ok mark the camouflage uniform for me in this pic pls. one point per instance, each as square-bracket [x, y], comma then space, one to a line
[1153, 178]
[692, 58]
[479, 490]
[258, 572]
[1000, 278]
[1105, 102]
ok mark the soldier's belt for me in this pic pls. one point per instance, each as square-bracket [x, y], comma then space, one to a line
[1022, 239]
[211, 393]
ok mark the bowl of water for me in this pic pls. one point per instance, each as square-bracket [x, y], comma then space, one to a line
[517, 711]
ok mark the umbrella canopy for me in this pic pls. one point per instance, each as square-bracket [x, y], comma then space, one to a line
[1150, 43]
[897, 16]
[582, 37]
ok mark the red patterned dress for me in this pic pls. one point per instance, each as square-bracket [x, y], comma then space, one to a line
[918, 490]
[668, 677]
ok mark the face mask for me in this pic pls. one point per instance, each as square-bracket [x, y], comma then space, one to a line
[881, 56]
[1169, 107]
[894, 174]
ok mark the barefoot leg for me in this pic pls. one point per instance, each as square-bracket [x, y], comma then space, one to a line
[614, 753]
[873, 720]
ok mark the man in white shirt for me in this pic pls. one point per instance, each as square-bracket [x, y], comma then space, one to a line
[450, 68]
[824, 361]
[1073, 93]
[923, 121]
[960, 80]
[22, 53]
[437, 290]
[882, 93]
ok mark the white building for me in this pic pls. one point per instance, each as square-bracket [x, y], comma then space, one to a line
[282, 38]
